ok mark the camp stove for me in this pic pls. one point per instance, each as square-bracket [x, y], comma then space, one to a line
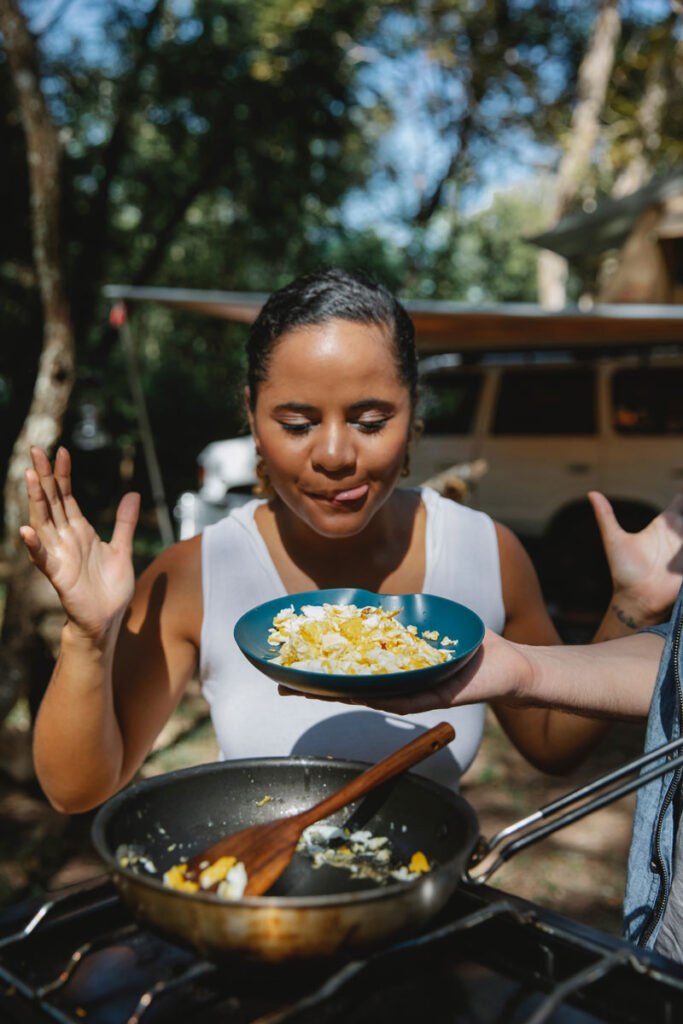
[489, 957]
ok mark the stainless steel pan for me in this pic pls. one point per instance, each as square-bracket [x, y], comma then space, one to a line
[324, 912]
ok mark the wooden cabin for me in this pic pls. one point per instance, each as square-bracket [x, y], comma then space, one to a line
[640, 237]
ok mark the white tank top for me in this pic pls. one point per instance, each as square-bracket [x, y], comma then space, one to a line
[249, 716]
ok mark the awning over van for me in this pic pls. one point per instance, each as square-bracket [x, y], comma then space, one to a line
[457, 327]
[613, 220]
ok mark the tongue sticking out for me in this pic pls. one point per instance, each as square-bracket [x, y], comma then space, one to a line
[353, 495]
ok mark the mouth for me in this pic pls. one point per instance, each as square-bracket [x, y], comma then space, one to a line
[346, 497]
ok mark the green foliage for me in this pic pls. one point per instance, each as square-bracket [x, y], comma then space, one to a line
[204, 149]
[481, 259]
[219, 144]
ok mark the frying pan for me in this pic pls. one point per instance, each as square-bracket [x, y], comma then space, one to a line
[323, 912]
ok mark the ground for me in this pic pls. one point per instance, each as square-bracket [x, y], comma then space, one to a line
[579, 871]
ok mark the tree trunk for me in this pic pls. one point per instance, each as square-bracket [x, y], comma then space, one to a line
[641, 148]
[593, 78]
[28, 600]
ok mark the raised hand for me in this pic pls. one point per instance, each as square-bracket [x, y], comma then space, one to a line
[94, 580]
[649, 564]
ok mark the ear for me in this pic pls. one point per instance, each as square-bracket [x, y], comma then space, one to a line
[250, 415]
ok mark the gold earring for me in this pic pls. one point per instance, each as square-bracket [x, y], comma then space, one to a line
[264, 487]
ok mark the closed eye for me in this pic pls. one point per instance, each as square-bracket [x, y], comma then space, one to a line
[296, 428]
[370, 426]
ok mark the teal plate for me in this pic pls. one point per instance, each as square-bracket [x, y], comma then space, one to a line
[426, 611]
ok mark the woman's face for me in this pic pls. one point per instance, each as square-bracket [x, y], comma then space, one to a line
[332, 421]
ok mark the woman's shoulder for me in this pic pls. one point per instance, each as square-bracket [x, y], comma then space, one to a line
[177, 564]
[237, 522]
[170, 588]
[453, 511]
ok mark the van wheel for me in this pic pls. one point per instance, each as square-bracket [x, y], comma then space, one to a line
[572, 565]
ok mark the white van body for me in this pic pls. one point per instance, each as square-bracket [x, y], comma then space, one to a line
[227, 477]
[551, 428]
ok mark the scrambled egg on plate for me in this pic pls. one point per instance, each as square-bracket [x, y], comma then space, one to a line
[347, 640]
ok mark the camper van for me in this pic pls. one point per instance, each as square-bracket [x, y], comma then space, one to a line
[553, 403]
[552, 427]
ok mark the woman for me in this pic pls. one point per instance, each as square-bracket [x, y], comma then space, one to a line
[332, 385]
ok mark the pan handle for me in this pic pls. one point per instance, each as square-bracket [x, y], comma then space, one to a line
[508, 847]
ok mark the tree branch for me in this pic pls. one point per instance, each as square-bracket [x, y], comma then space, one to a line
[53, 18]
[56, 366]
[96, 235]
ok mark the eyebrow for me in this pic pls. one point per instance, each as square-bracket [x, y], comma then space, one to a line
[365, 403]
[294, 407]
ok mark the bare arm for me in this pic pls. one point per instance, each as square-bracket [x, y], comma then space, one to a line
[551, 740]
[646, 569]
[126, 653]
[106, 704]
[614, 679]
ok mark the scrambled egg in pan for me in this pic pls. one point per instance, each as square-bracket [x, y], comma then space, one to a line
[361, 853]
[346, 640]
[228, 872]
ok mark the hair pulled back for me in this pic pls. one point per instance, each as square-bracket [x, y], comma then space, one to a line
[320, 297]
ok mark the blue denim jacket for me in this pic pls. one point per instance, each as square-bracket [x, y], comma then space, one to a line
[652, 845]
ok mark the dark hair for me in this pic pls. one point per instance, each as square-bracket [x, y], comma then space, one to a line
[326, 295]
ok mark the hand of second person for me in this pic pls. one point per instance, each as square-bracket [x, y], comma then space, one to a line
[94, 580]
[498, 670]
[648, 565]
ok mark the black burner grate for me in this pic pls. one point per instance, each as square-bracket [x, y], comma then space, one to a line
[489, 958]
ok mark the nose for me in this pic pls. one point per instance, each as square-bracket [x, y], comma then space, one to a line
[334, 450]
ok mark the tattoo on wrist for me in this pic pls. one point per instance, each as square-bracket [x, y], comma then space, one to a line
[624, 617]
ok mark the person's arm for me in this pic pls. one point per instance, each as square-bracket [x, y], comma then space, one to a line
[646, 569]
[108, 699]
[126, 652]
[614, 679]
[551, 740]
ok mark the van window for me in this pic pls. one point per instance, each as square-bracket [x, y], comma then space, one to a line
[648, 400]
[448, 401]
[548, 401]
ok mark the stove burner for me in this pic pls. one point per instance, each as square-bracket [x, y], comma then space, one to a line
[488, 958]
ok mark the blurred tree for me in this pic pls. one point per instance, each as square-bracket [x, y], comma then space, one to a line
[199, 148]
[626, 124]
[23, 649]
[490, 91]
[594, 74]
[490, 261]
[222, 144]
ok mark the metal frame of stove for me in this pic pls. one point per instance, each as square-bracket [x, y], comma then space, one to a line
[556, 941]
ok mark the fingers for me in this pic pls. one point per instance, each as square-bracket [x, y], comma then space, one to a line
[36, 550]
[48, 506]
[31, 540]
[608, 523]
[126, 521]
[38, 505]
[62, 474]
[673, 512]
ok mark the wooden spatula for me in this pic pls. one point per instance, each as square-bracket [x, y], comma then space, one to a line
[266, 850]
